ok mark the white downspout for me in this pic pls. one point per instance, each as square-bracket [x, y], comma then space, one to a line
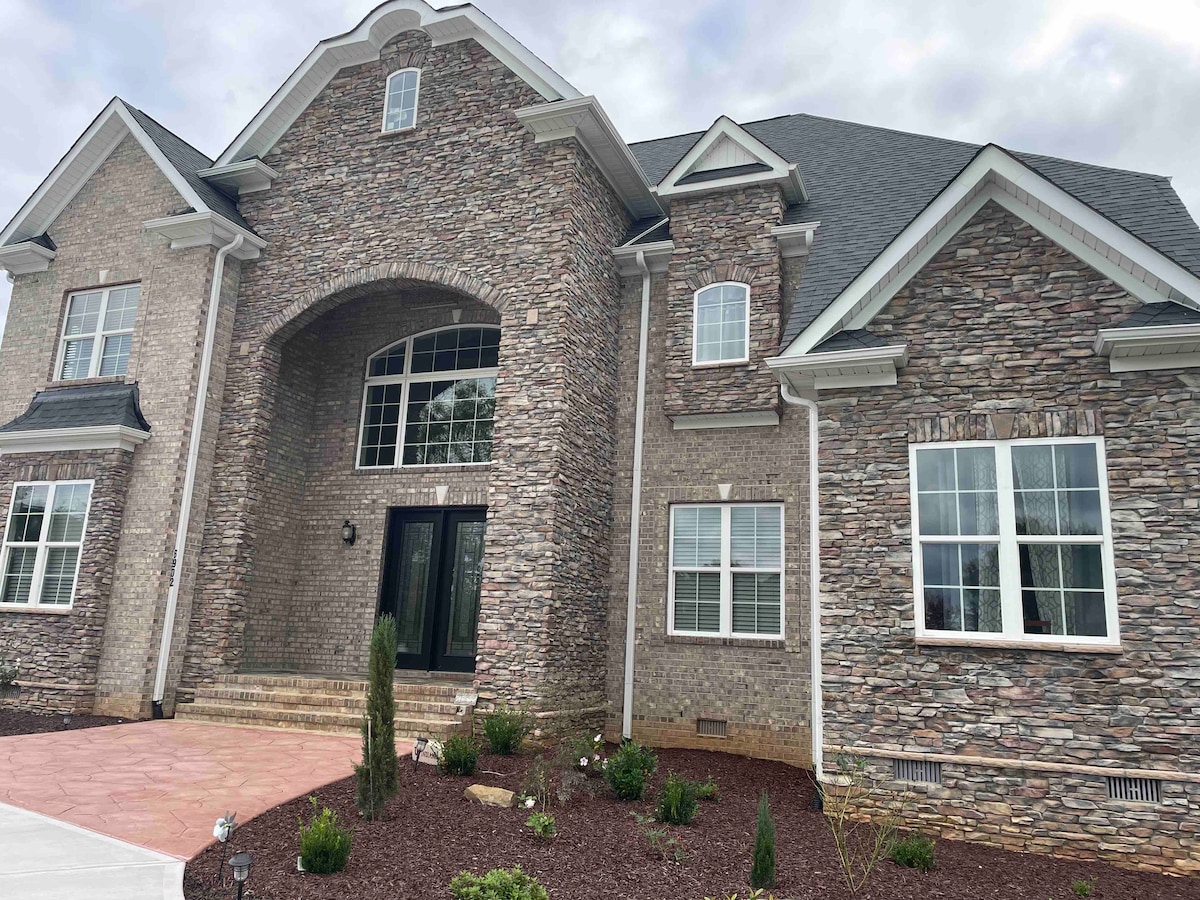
[635, 504]
[189, 478]
[814, 577]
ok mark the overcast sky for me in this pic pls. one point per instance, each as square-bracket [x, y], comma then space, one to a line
[1103, 81]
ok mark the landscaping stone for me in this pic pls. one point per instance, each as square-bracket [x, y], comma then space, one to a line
[490, 796]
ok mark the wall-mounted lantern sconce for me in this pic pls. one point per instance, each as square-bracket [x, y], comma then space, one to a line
[349, 533]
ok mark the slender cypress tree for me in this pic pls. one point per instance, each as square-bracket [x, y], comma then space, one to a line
[379, 774]
[762, 870]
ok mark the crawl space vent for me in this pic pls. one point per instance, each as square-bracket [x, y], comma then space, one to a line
[917, 770]
[711, 727]
[1134, 790]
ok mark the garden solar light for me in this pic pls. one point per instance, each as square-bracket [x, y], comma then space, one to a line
[240, 863]
[418, 749]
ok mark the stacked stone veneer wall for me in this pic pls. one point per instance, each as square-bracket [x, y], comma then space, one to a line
[101, 241]
[1000, 326]
[57, 651]
[464, 202]
[760, 688]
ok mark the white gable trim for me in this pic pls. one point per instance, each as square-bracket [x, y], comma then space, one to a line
[1150, 347]
[830, 369]
[81, 437]
[205, 229]
[997, 176]
[25, 257]
[720, 134]
[363, 44]
[246, 177]
[86, 155]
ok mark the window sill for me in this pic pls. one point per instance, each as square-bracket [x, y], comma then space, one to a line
[35, 610]
[978, 644]
[400, 132]
[763, 643]
[724, 364]
[418, 468]
[86, 382]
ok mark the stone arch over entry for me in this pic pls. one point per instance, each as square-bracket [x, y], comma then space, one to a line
[371, 280]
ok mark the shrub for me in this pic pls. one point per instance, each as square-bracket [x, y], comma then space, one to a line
[460, 754]
[505, 729]
[1083, 887]
[859, 844]
[709, 790]
[324, 845]
[677, 805]
[379, 774]
[537, 784]
[542, 825]
[629, 768]
[762, 870]
[498, 884]
[915, 852]
[665, 844]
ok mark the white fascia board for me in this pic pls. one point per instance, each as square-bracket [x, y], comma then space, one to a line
[859, 367]
[204, 229]
[26, 257]
[363, 44]
[246, 177]
[948, 212]
[724, 127]
[585, 120]
[657, 257]
[724, 420]
[1150, 347]
[89, 437]
[795, 240]
[86, 155]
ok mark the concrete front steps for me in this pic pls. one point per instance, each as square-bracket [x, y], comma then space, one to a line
[424, 705]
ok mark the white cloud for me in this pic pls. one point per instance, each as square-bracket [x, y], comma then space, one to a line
[1103, 81]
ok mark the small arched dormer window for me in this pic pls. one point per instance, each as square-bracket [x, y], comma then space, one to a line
[430, 400]
[721, 324]
[400, 102]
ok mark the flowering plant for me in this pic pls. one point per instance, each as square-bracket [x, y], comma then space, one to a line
[225, 826]
[542, 825]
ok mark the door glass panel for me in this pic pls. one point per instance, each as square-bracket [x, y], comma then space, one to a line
[465, 583]
[416, 549]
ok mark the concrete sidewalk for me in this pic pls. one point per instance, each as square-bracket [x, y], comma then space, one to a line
[45, 859]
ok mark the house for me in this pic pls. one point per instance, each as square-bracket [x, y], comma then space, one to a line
[794, 438]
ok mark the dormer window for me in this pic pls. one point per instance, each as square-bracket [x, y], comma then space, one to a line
[721, 324]
[400, 107]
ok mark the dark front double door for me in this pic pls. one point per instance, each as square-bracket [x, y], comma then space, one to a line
[432, 574]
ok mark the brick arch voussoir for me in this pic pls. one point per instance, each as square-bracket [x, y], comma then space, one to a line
[722, 272]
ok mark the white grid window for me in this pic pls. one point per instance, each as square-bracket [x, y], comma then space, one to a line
[431, 400]
[98, 332]
[721, 324]
[727, 570]
[43, 540]
[400, 105]
[1013, 541]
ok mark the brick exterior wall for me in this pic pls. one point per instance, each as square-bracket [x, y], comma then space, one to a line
[59, 650]
[467, 203]
[1000, 326]
[101, 240]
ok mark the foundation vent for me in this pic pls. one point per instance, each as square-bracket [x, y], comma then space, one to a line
[1134, 790]
[712, 727]
[917, 770]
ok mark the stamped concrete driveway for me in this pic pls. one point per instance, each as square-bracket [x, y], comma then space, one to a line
[161, 785]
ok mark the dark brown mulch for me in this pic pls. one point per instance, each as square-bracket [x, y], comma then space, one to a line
[14, 721]
[431, 832]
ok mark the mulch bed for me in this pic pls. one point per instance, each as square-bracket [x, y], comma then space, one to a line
[431, 832]
[14, 721]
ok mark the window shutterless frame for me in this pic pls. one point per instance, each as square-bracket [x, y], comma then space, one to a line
[1011, 589]
[733, 360]
[43, 545]
[387, 99]
[99, 336]
[727, 571]
[405, 380]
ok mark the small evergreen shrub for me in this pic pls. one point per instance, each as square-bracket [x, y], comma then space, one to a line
[915, 851]
[762, 870]
[677, 805]
[628, 770]
[324, 844]
[542, 825]
[378, 777]
[708, 790]
[1083, 887]
[460, 755]
[505, 729]
[498, 884]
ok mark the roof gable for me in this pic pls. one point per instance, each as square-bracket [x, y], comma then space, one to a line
[729, 156]
[177, 160]
[363, 44]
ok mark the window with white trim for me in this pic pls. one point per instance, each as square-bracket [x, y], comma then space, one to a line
[400, 103]
[1013, 541]
[726, 570]
[98, 332]
[43, 541]
[431, 400]
[721, 324]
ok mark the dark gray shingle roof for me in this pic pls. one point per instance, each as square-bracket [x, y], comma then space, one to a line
[855, 339]
[865, 184]
[1156, 314]
[79, 407]
[188, 160]
[647, 231]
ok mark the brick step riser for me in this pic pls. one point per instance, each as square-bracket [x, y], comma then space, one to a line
[307, 721]
[407, 689]
[404, 734]
[315, 702]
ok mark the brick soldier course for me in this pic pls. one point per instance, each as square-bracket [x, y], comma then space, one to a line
[513, 204]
